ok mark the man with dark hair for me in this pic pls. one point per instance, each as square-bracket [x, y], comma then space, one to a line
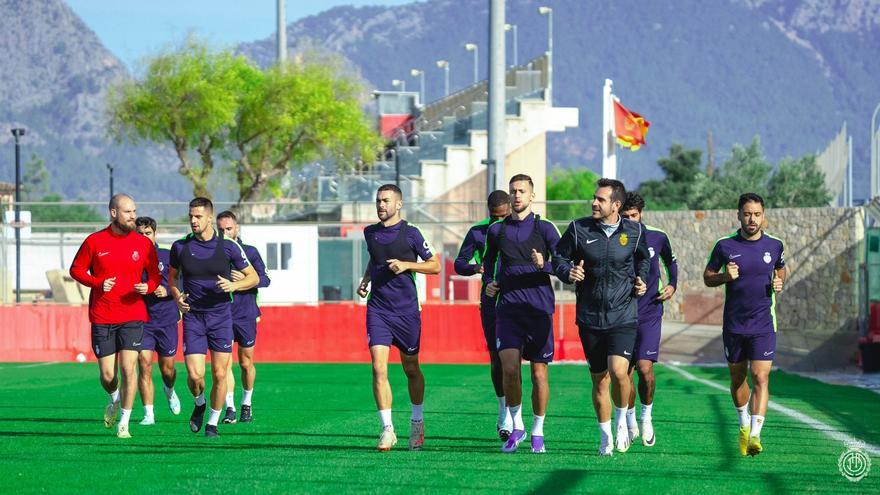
[751, 265]
[111, 263]
[647, 347]
[393, 309]
[518, 268]
[245, 315]
[205, 258]
[470, 262]
[607, 257]
[160, 333]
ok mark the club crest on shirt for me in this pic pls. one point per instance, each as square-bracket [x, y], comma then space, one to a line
[767, 258]
[651, 251]
[624, 239]
[135, 256]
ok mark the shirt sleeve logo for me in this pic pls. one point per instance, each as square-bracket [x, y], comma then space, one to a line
[135, 256]
[651, 250]
[624, 239]
[767, 257]
[161, 266]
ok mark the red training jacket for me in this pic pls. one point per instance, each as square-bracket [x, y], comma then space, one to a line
[106, 254]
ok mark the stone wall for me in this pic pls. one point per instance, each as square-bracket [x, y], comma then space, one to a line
[817, 313]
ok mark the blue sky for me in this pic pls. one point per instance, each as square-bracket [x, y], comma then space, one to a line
[132, 29]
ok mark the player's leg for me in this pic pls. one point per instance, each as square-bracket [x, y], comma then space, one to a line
[510, 339]
[129, 337]
[145, 384]
[647, 385]
[595, 345]
[416, 385]
[195, 348]
[219, 364]
[248, 378]
[631, 423]
[539, 351]
[621, 342]
[737, 366]
[104, 346]
[762, 347]
[229, 400]
[504, 423]
[169, 375]
[382, 395]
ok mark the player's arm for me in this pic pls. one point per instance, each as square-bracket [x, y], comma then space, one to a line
[717, 273]
[82, 262]
[431, 266]
[257, 262]
[250, 280]
[779, 271]
[423, 249]
[564, 257]
[551, 239]
[642, 261]
[154, 276]
[174, 280]
[365, 281]
[667, 257]
[466, 252]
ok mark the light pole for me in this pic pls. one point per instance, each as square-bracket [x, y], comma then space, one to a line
[512, 27]
[444, 64]
[549, 13]
[399, 82]
[110, 169]
[421, 75]
[875, 157]
[472, 47]
[17, 133]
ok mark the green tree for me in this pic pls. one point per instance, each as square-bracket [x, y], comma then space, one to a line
[63, 213]
[35, 179]
[798, 183]
[682, 167]
[570, 184]
[212, 105]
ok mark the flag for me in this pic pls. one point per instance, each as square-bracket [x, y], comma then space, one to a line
[630, 127]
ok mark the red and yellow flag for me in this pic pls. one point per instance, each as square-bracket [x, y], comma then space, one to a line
[630, 127]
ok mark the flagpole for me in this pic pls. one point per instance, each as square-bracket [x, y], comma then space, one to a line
[609, 145]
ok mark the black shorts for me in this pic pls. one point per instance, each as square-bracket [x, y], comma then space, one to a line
[599, 344]
[108, 339]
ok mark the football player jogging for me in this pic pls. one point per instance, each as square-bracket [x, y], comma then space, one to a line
[607, 257]
[519, 253]
[245, 315]
[111, 263]
[204, 260]
[751, 265]
[393, 310]
[160, 333]
[647, 347]
[470, 262]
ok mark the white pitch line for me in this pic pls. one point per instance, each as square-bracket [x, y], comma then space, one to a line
[34, 365]
[803, 418]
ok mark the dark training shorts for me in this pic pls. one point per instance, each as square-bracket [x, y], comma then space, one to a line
[531, 333]
[207, 329]
[245, 332]
[755, 347]
[108, 339]
[599, 344]
[162, 339]
[487, 318]
[647, 344]
[401, 331]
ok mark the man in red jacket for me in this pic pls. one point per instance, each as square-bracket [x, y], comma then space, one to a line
[111, 262]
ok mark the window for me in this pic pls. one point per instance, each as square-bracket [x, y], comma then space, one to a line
[278, 259]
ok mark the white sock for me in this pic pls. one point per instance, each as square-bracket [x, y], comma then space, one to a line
[502, 409]
[417, 413]
[214, 417]
[123, 416]
[385, 418]
[605, 431]
[516, 414]
[200, 399]
[743, 413]
[619, 418]
[646, 412]
[230, 400]
[631, 418]
[246, 397]
[169, 391]
[538, 426]
[148, 411]
[114, 396]
[757, 424]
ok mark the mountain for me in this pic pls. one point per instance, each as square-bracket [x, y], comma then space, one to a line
[54, 75]
[789, 71]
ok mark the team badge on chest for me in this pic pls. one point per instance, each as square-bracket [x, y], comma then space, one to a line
[624, 239]
[767, 257]
[135, 256]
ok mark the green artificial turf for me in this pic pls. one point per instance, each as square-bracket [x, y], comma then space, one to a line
[315, 430]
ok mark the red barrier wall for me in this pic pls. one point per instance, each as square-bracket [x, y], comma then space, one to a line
[327, 332]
